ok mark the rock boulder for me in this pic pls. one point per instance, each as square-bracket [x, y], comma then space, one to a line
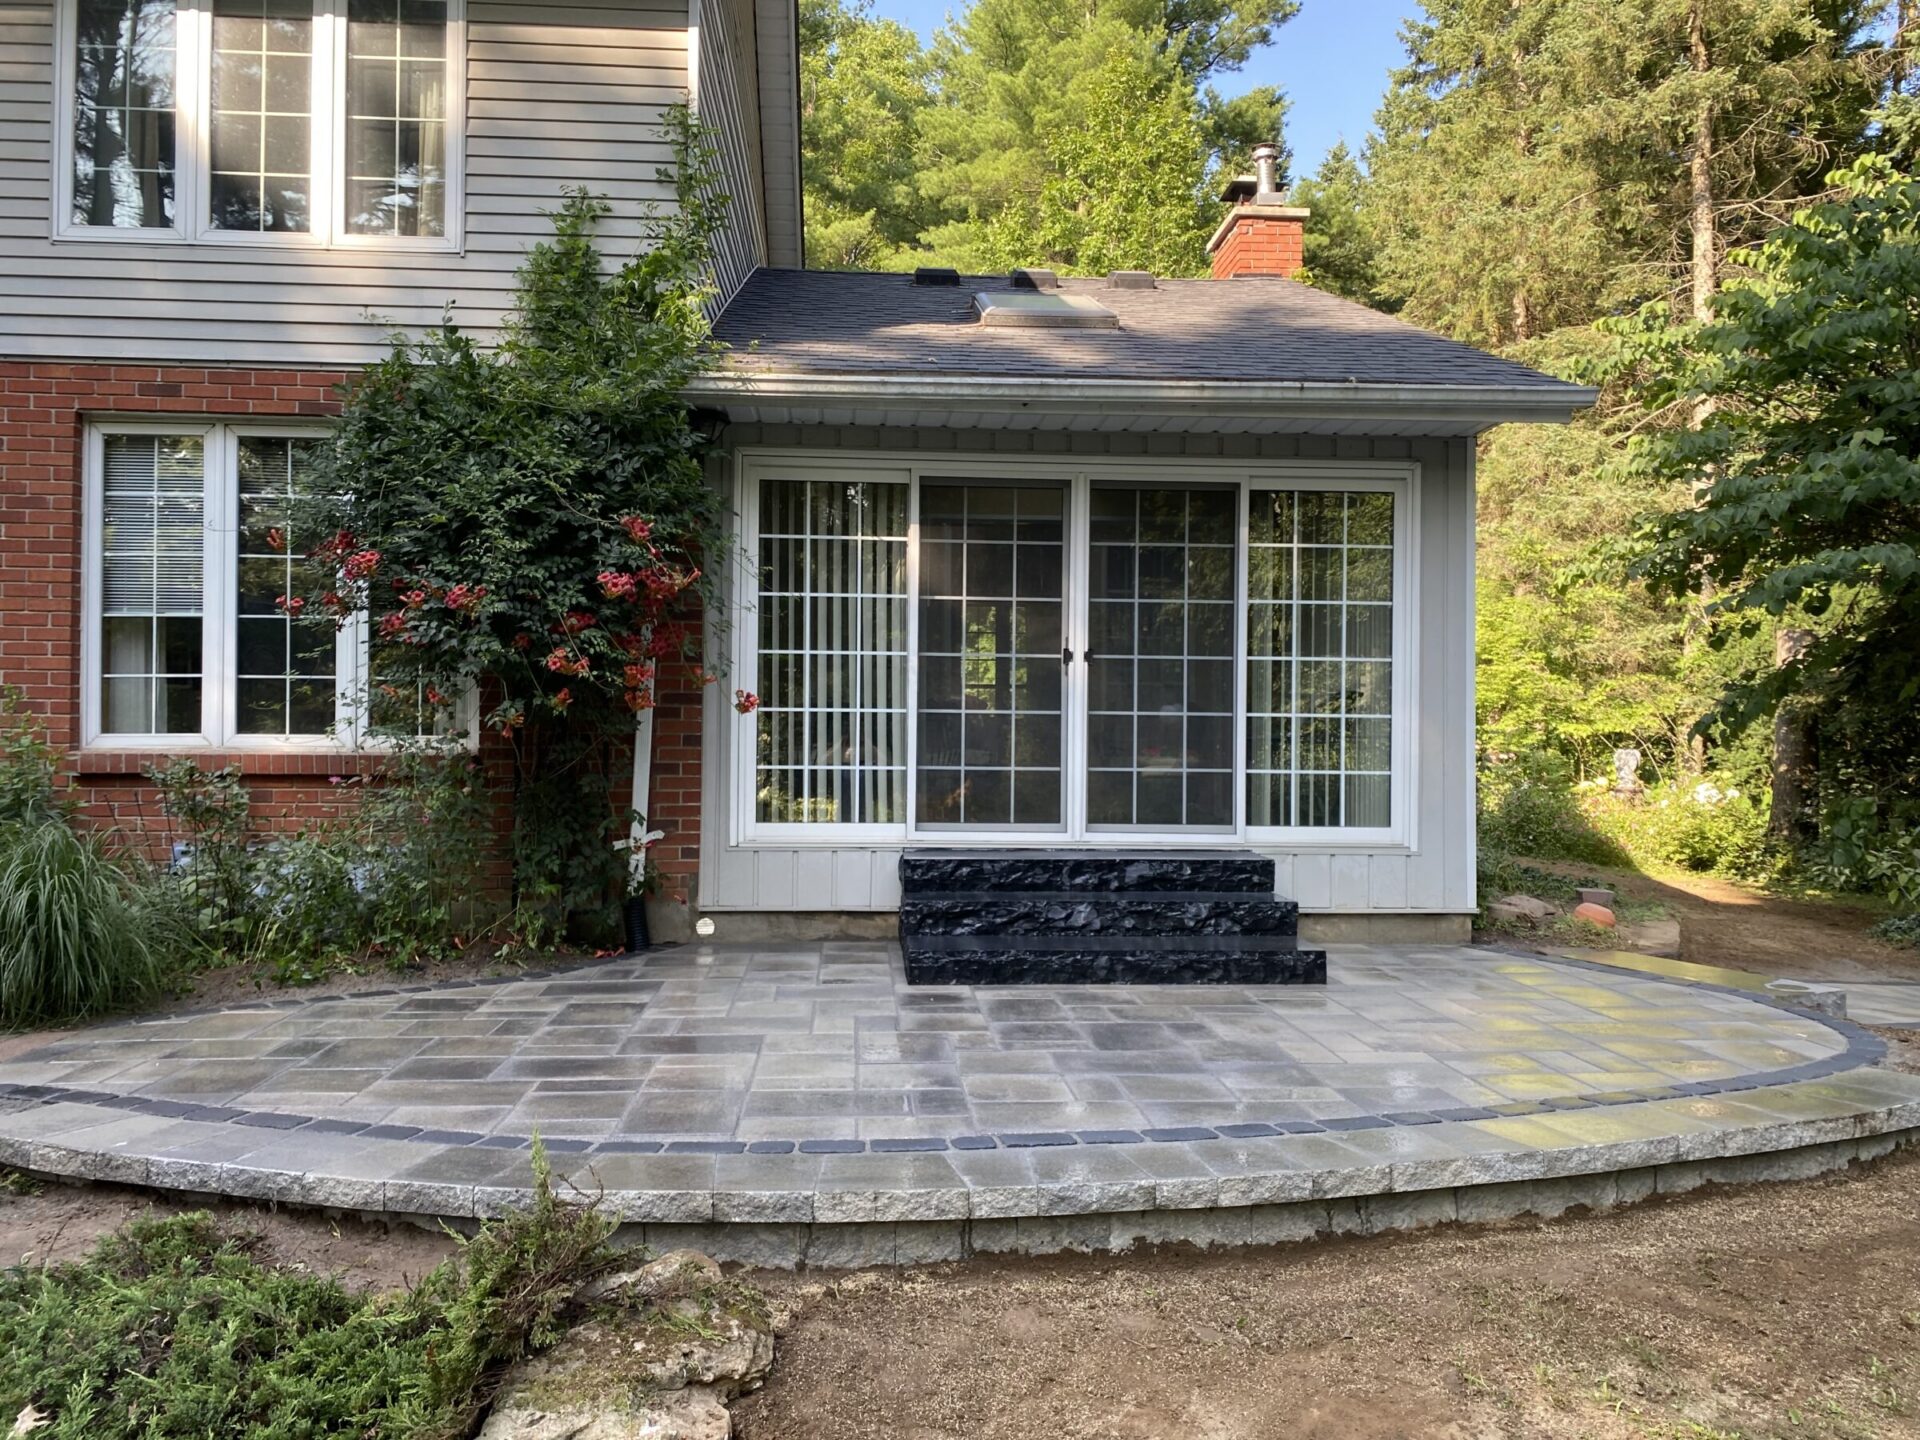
[668, 1345]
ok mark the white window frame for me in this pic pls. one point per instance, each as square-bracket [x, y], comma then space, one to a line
[193, 138]
[219, 609]
[1402, 479]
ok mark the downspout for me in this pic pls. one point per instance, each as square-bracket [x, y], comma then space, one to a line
[639, 837]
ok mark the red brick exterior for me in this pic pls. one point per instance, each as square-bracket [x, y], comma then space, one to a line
[43, 413]
[1256, 244]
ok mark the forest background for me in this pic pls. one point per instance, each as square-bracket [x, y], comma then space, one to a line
[1702, 206]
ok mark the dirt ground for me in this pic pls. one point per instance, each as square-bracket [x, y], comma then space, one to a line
[47, 1222]
[1788, 1310]
[1722, 923]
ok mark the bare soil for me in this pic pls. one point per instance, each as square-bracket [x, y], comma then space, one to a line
[1774, 1311]
[1731, 925]
[44, 1223]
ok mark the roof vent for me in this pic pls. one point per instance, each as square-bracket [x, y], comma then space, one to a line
[1131, 280]
[1030, 279]
[935, 275]
[1023, 309]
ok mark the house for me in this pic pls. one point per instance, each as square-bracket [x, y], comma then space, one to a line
[1026, 562]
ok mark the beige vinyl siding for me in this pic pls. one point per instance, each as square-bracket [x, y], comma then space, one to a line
[1432, 875]
[779, 49]
[557, 96]
[729, 104]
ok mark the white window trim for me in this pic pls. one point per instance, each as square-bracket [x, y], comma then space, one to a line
[1401, 478]
[219, 610]
[192, 138]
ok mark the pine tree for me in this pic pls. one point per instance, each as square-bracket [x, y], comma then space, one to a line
[1545, 162]
[1340, 244]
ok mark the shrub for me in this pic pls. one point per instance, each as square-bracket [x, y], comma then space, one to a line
[1685, 826]
[74, 938]
[27, 764]
[1527, 807]
[1867, 846]
[176, 1329]
[394, 874]
[1899, 930]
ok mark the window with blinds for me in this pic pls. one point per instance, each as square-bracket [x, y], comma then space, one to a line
[152, 584]
[831, 746]
[1320, 612]
[193, 638]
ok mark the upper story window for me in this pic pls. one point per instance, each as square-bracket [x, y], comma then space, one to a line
[263, 121]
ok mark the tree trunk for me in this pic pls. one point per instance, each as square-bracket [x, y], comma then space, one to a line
[1705, 274]
[1793, 750]
[1702, 220]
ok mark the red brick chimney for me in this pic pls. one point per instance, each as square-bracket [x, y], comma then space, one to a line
[1261, 234]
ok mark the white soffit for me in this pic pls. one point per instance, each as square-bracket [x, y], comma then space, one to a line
[1179, 407]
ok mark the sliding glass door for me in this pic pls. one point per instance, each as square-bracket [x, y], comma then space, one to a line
[1159, 654]
[992, 600]
[1076, 655]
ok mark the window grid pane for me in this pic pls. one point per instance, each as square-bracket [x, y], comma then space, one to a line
[831, 730]
[396, 102]
[286, 670]
[262, 108]
[989, 715]
[1320, 659]
[153, 546]
[1160, 646]
[123, 114]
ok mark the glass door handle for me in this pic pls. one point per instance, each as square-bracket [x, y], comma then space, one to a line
[1066, 656]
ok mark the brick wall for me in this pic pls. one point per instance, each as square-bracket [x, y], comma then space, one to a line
[43, 414]
[1255, 244]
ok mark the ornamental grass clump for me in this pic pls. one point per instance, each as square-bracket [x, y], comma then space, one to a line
[75, 936]
[74, 941]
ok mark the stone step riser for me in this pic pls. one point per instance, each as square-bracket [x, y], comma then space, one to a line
[1133, 966]
[1234, 873]
[1120, 915]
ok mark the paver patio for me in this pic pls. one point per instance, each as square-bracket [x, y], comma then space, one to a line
[826, 1042]
[807, 1089]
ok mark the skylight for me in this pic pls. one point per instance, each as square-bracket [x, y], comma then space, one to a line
[1035, 310]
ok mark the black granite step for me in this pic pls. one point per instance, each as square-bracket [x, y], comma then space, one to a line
[1224, 872]
[1143, 915]
[1099, 917]
[1132, 965]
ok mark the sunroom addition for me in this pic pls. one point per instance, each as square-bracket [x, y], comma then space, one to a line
[977, 653]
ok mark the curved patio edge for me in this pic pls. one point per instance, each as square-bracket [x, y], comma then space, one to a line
[847, 1210]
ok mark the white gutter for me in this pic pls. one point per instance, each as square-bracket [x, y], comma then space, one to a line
[1267, 399]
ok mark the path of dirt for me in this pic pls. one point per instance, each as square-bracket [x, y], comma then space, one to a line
[1790, 1310]
[1722, 923]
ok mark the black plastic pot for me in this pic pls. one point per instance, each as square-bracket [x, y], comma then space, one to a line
[636, 916]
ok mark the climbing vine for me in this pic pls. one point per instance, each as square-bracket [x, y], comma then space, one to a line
[528, 530]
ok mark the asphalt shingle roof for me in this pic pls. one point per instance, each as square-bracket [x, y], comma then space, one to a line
[832, 322]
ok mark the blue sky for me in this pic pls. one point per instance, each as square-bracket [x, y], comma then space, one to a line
[1331, 59]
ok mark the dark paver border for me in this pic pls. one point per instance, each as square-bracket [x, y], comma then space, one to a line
[1863, 1049]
